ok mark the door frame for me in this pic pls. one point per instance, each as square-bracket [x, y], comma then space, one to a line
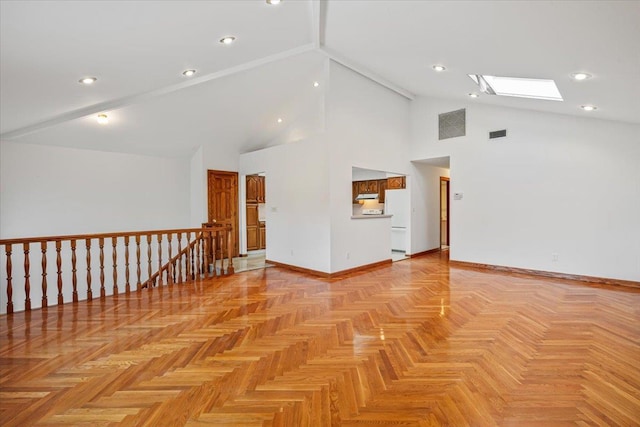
[235, 235]
[448, 181]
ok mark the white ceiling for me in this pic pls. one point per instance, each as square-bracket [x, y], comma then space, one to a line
[242, 108]
[138, 50]
[402, 40]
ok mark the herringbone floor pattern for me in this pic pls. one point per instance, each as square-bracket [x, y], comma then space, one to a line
[412, 344]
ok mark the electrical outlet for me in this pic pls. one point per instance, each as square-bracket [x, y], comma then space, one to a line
[554, 257]
[348, 255]
[291, 252]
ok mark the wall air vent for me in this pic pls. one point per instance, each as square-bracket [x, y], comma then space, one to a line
[452, 124]
[498, 134]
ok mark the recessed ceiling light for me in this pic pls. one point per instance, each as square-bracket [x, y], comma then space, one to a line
[279, 120]
[188, 73]
[87, 80]
[473, 95]
[103, 119]
[273, 1]
[588, 107]
[316, 84]
[439, 68]
[227, 40]
[580, 76]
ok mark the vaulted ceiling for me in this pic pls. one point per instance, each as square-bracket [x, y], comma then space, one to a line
[139, 49]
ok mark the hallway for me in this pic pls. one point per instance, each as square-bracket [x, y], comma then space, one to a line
[253, 261]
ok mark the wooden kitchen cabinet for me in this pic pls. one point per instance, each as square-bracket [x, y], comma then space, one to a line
[255, 228]
[396, 183]
[252, 188]
[256, 189]
[372, 186]
[253, 238]
[261, 190]
[262, 235]
[379, 186]
[252, 215]
[253, 232]
[367, 187]
[382, 187]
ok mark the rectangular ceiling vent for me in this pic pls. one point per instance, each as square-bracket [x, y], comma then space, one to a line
[498, 134]
[452, 124]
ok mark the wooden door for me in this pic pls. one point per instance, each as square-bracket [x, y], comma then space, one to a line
[444, 211]
[223, 202]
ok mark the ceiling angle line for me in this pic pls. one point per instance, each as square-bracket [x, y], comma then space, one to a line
[137, 98]
[318, 13]
[366, 73]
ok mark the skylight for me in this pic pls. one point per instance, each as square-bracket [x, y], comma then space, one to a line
[518, 87]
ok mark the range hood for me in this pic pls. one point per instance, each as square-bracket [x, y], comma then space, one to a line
[369, 196]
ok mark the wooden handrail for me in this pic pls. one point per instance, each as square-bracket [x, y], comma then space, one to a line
[198, 259]
[20, 240]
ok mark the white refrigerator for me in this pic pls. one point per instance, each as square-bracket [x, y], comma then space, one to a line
[398, 204]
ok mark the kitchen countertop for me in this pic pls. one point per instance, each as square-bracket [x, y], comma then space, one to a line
[370, 216]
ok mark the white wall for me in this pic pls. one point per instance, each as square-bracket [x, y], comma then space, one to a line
[367, 127]
[198, 184]
[556, 184]
[309, 182]
[49, 190]
[358, 174]
[297, 201]
[212, 156]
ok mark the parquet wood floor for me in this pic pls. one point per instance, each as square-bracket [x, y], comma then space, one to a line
[411, 344]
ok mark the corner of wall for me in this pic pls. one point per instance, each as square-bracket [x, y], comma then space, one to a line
[198, 191]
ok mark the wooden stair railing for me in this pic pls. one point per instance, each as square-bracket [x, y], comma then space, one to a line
[200, 254]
